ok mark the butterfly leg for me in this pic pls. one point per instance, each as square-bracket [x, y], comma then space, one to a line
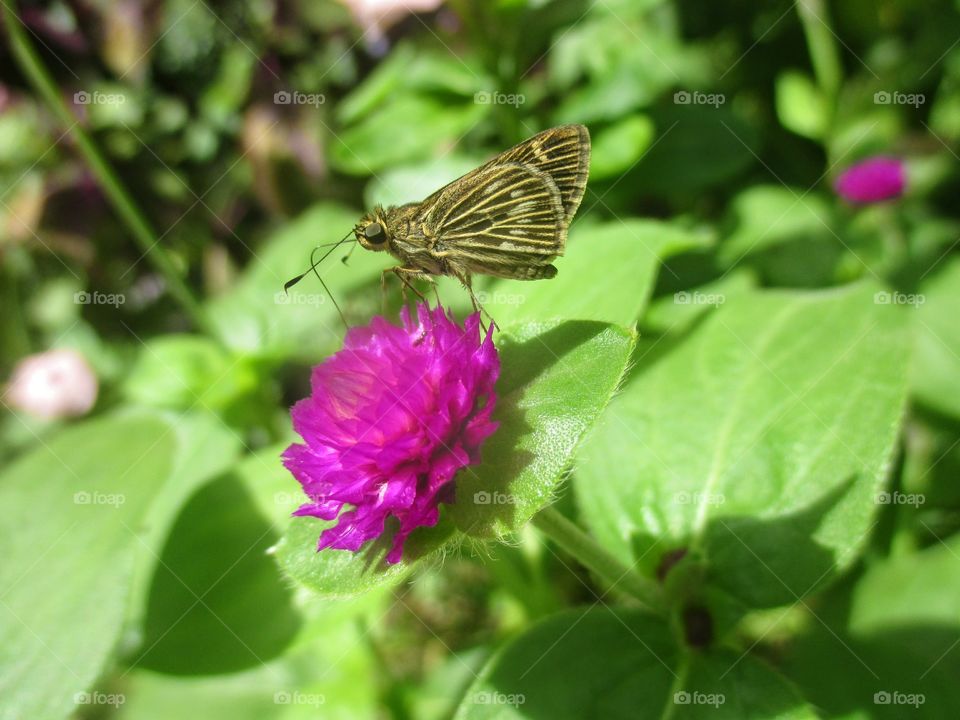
[418, 275]
[405, 275]
[467, 283]
[383, 292]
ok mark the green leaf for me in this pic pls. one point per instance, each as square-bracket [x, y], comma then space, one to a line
[223, 609]
[606, 274]
[438, 695]
[21, 145]
[377, 87]
[920, 588]
[800, 104]
[622, 72]
[406, 128]
[206, 447]
[329, 671]
[555, 381]
[698, 146]
[945, 113]
[183, 371]
[612, 664]
[676, 312]
[397, 186]
[861, 131]
[269, 484]
[768, 215]
[111, 105]
[222, 99]
[411, 68]
[615, 149]
[935, 374]
[73, 509]
[889, 640]
[257, 318]
[759, 443]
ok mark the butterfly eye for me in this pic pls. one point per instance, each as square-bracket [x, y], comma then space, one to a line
[374, 233]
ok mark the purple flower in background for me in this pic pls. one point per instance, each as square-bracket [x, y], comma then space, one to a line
[872, 180]
[390, 420]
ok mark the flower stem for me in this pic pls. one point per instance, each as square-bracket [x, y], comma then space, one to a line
[38, 75]
[594, 557]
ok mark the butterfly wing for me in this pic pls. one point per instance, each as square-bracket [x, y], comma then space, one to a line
[563, 153]
[505, 219]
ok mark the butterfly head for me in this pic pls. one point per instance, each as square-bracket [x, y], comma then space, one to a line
[371, 231]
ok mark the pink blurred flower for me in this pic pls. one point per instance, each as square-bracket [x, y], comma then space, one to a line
[390, 420]
[872, 180]
[53, 384]
[376, 16]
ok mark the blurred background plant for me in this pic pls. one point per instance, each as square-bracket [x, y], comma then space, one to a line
[239, 135]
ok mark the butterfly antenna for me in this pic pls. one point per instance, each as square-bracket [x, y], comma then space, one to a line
[313, 268]
[347, 256]
[293, 281]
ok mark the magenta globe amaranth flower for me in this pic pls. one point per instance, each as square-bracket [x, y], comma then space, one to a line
[390, 420]
[872, 180]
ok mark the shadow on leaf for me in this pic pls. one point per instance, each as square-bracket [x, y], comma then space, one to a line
[487, 495]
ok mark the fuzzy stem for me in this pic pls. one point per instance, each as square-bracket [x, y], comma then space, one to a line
[38, 76]
[592, 556]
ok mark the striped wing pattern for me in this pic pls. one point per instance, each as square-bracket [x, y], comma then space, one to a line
[509, 217]
[499, 220]
[563, 153]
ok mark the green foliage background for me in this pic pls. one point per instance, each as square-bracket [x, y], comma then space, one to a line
[744, 391]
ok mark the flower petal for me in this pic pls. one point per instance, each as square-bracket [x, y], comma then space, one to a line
[391, 419]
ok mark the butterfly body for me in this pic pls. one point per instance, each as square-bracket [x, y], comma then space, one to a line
[508, 218]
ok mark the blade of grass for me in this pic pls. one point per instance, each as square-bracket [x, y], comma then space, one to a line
[38, 76]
